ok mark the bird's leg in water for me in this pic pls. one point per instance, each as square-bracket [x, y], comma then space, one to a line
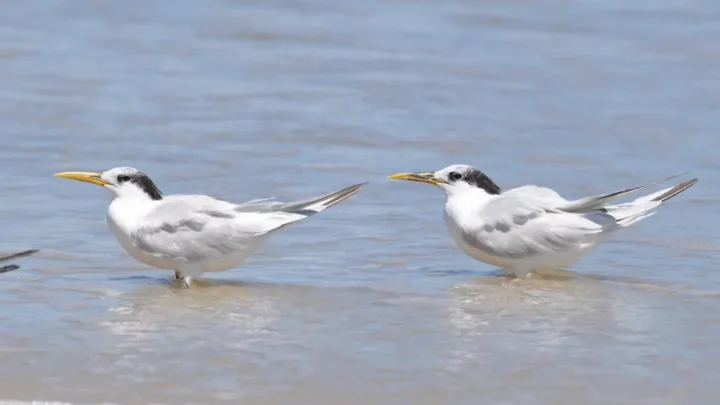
[185, 279]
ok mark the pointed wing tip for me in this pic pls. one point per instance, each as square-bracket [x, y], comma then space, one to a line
[676, 190]
[27, 252]
[19, 255]
[8, 268]
[352, 189]
[690, 183]
[678, 175]
[686, 184]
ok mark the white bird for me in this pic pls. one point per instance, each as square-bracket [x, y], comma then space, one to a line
[531, 228]
[11, 267]
[193, 234]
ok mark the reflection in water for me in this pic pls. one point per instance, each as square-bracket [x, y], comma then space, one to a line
[158, 312]
[564, 314]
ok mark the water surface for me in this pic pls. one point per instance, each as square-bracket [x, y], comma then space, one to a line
[369, 302]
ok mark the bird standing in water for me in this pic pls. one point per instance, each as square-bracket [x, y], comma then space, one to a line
[532, 228]
[193, 234]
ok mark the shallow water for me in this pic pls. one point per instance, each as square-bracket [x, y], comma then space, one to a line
[369, 302]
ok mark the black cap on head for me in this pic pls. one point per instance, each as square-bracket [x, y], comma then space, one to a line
[147, 185]
[473, 177]
[141, 180]
[480, 180]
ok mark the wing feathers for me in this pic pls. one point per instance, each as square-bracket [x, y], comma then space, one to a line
[600, 201]
[190, 228]
[672, 192]
[11, 267]
[319, 204]
[18, 255]
[531, 221]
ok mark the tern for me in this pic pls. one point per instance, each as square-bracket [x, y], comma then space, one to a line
[11, 267]
[193, 234]
[531, 228]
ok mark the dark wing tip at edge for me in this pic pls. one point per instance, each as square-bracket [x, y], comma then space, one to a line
[344, 194]
[676, 190]
[18, 255]
[5, 269]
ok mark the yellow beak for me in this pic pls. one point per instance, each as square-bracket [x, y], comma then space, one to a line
[88, 177]
[426, 177]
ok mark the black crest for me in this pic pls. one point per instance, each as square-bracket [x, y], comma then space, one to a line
[146, 185]
[480, 180]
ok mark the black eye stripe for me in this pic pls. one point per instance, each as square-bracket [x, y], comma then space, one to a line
[142, 181]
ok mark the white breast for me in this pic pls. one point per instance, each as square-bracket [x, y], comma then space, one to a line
[122, 225]
[461, 209]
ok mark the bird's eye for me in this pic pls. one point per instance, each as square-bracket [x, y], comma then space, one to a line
[123, 178]
[455, 176]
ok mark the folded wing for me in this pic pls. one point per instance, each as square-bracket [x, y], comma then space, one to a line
[197, 227]
[531, 220]
[517, 228]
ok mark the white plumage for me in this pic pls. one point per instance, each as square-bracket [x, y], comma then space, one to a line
[193, 234]
[532, 228]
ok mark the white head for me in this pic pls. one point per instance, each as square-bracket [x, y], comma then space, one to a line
[453, 179]
[121, 181]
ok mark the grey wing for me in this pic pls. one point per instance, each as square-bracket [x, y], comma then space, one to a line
[305, 207]
[510, 227]
[194, 227]
[190, 228]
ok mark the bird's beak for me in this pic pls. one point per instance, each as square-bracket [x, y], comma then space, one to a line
[427, 177]
[88, 177]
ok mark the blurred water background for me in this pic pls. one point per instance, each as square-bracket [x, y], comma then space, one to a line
[370, 302]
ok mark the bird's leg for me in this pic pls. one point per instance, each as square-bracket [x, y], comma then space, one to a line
[186, 280]
[180, 275]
